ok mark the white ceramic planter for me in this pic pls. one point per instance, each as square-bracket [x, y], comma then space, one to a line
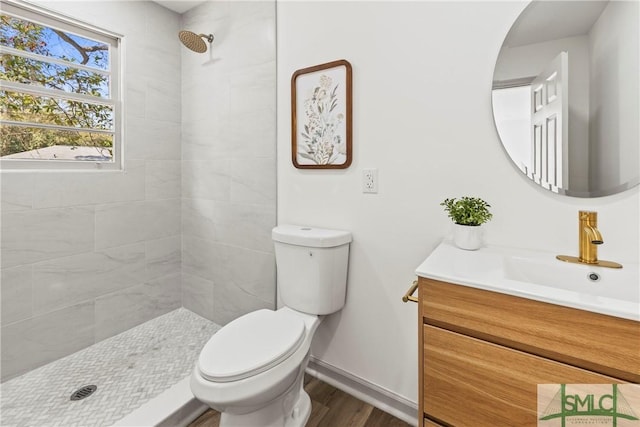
[467, 237]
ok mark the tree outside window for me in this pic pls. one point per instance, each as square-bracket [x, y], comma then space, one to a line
[57, 93]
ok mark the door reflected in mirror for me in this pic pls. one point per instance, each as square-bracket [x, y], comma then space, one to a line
[566, 95]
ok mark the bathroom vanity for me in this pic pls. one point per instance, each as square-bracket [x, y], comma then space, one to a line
[486, 340]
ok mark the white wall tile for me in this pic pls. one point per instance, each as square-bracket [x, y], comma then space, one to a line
[206, 179]
[252, 37]
[135, 98]
[231, 302]
[206, 79]
[197, 112]
[201, 144]
[228, 153]
[80, 235]
[242, 225]
[163, 101]
[163, 257]
[36, 235]
[251, 87]
[38, 340]
[119, 224]
[198, 257]
[197, 218]
[49, 218]
[246, 12]
[197, 295]
[251, 141]
[164, 293]
[163, 179]
[15, 293]
[16, 191]
[152, 139]
[67, 281]
[253, 181]
[245, 226]
[162, 218]
[56, 189]
[130, 307]
[253, 272]
[158, 17]
[155, 61]
[124, 19]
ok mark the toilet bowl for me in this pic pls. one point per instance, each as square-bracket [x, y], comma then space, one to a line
[262, 386]
[252, 369]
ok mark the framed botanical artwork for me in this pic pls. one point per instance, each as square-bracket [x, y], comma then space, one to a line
[321, 121]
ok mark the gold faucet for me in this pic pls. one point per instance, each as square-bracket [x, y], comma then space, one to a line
[589, 238]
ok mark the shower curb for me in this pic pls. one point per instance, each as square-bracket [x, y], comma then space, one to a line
[175, 407]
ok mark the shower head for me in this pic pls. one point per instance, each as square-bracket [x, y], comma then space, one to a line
[194, 41]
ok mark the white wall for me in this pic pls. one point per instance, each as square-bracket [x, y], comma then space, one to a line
[615, 87]
[422, 74]
[87, 255]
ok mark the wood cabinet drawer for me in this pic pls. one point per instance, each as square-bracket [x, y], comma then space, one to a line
[593, 341]
[469, 382]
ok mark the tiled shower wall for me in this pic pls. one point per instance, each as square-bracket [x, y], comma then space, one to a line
[228, 160]
[86, 255]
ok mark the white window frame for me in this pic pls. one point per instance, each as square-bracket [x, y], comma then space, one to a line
[52, 19]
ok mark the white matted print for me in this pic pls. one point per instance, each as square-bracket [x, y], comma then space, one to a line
[321, 104]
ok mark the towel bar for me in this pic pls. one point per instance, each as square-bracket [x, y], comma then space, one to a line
[409, 295]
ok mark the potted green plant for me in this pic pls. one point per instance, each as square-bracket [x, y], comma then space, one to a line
[468, 214]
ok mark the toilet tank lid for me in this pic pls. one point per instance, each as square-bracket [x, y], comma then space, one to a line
[313, 237]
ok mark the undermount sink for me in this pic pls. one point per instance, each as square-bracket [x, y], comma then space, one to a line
[582, 278]
[540, 276]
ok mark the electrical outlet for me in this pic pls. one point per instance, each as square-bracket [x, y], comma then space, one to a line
[370, 180]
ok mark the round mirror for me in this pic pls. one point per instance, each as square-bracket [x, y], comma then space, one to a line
[566, 94]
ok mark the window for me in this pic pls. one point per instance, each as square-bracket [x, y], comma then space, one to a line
[59, 92]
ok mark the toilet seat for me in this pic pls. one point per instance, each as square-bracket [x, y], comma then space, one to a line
[251, 344]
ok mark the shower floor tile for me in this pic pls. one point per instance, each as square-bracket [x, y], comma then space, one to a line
[129, 369]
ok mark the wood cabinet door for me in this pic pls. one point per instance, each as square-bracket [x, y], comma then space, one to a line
[592, 341]
[469, 382]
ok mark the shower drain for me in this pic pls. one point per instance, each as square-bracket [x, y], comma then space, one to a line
[83, 392]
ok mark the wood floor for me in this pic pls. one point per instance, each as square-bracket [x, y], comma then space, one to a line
[330, 407]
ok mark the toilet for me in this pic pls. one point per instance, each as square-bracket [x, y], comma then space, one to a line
[252, 369]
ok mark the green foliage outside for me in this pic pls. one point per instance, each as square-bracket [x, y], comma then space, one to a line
[24, 107]
[467, 210]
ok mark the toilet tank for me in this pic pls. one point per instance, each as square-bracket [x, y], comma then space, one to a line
[312, 267]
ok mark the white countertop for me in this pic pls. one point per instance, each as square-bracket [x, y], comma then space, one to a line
[537, 275]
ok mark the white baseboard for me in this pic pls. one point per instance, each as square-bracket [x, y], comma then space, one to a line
[373, 394]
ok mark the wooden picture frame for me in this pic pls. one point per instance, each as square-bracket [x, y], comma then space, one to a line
[321, 116]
